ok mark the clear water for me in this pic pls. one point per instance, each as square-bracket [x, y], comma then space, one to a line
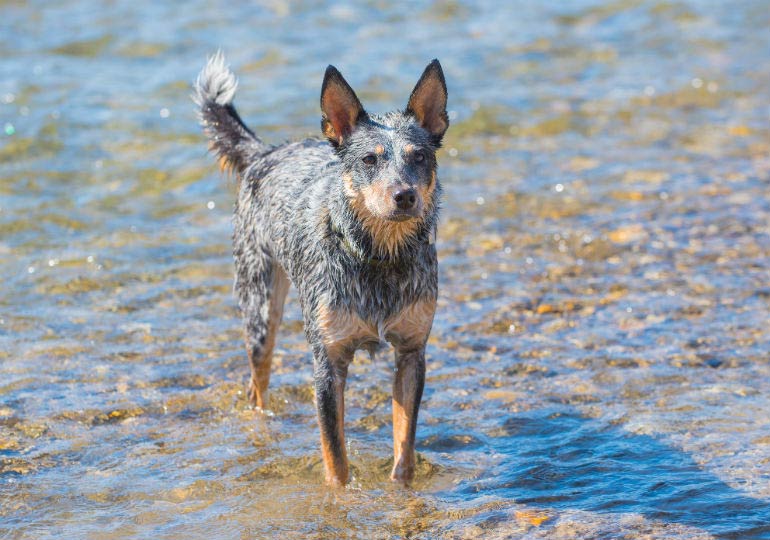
[599, 364]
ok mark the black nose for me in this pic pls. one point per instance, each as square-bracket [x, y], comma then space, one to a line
[406, 199]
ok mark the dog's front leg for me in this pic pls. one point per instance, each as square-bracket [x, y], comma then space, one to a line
[330, 374]
[407, 393]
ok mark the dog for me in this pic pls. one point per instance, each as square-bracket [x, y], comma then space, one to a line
[350, 221]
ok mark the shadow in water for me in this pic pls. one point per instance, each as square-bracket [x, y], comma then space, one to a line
[564, 460]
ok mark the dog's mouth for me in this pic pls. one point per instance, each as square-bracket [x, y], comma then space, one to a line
[404, 215]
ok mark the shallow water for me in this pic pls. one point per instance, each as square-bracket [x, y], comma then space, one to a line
[598, 367]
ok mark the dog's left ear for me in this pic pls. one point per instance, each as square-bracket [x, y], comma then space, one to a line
[428, 102]
[340, 107]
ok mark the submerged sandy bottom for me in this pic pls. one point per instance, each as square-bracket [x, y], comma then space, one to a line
[598, 366]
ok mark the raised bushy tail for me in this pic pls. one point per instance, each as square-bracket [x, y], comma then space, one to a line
[234, 143]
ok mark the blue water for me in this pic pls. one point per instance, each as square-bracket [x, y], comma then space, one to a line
[598, 367]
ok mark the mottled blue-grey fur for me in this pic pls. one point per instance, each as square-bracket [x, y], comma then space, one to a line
[298, 218]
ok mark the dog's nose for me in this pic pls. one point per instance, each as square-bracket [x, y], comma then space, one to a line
[405, 199]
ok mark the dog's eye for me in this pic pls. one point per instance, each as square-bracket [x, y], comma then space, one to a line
[369, 159]
[419, 156]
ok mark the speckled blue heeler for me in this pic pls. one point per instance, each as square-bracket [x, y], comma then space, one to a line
[351, 223]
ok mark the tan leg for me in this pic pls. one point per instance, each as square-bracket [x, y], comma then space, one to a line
[260, 338]
[407, 393]
[408, 331]
[330, 401]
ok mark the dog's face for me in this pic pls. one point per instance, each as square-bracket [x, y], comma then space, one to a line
[390, 167]
[389, 161]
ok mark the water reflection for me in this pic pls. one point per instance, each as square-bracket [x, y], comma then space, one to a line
[598, 365]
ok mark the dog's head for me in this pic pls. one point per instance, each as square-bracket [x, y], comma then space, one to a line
[388, 161]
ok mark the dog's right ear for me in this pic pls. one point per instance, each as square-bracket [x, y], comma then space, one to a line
[340, 107]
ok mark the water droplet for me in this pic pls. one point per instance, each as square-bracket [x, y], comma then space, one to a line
[211, 205]
[31, 270]
[530, 260]
[453, 152]
[558, 188]
[480, 200]
[649, 90]
[165, 113]
[696, 82]
[8, 98]
[512, 329]
[9, 129]
[90, 258]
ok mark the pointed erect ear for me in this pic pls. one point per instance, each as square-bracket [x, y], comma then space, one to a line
[340, 107]
[428, 102]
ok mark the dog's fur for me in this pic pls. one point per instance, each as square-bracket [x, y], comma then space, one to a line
[351, 223]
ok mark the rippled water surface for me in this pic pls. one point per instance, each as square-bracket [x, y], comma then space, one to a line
[599, 363]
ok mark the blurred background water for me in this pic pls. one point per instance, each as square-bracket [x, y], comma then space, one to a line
[599, 363]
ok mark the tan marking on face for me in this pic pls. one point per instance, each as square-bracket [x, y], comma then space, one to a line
[379, 149]
[378, 199]
[412, 325]
[347, 182]
[409, 148]
[342, 331]
[426, 191]
[372, 205]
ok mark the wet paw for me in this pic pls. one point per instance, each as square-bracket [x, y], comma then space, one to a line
[402, 474]
[257, 398]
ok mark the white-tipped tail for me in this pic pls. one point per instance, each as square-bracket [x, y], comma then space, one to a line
[215, 83]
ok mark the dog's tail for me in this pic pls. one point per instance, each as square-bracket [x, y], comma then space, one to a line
[234, 144]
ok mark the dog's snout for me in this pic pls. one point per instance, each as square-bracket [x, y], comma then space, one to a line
[406, 199]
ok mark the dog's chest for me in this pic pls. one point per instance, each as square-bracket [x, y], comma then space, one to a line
[344, 329]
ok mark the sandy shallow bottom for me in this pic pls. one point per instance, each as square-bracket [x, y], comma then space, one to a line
[598, 366]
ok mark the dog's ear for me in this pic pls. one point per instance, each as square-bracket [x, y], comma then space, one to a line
[340, 107]
[428, 102]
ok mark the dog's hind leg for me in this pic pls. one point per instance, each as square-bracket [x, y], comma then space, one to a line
[330, 375]
[262, 286]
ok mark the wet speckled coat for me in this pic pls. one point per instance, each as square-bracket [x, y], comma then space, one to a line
[297, 221]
